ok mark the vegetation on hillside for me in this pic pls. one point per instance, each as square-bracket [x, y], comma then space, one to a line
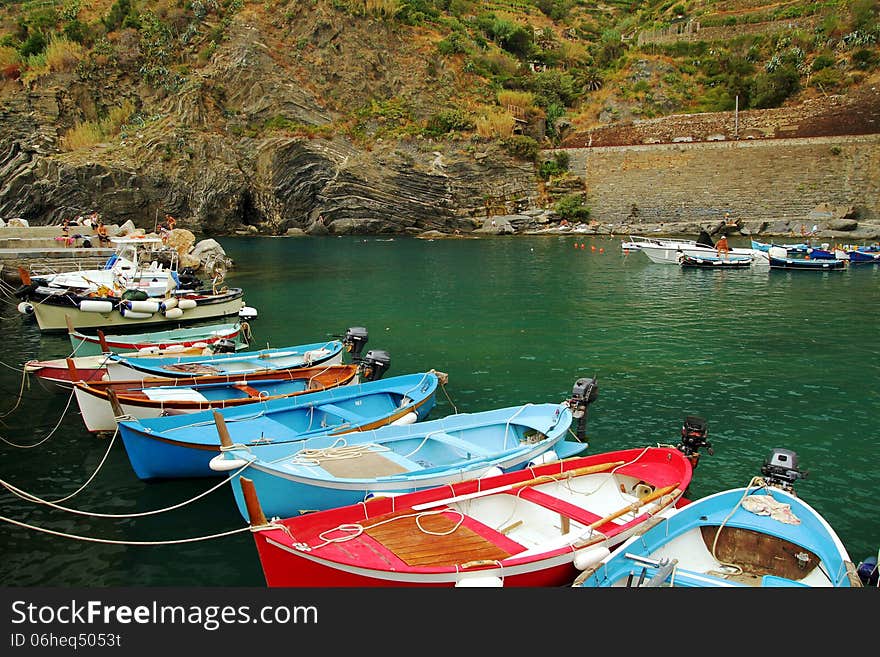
[530, 70]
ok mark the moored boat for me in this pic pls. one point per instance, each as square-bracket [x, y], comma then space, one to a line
[538, 526]
[762, 535]
[330, 471]
[779, 260]
[176, 446]
[86, 344]
[715, 262]
[101, 402]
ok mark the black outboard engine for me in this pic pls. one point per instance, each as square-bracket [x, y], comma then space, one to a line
[224, 346]
[355, 339]
[693, 437]
[868, 572]
[188, 280]
[780, 469]
[584, 392]
[374, 365]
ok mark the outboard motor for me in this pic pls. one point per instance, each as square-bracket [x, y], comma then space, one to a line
[693, 437]
[868, 572]
[584, 392]
[374, 365]
[780, 469]
[224, 346]
[355, 339]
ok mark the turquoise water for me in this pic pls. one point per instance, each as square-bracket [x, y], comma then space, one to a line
[770, 359]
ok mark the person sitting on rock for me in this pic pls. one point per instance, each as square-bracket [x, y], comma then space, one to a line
[101, 231]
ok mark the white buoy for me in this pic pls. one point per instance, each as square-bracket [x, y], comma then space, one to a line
[186, 304]
[173, 313]
[95, 306]
[480, 581]
[494, 471]
[168, 304]
[547, 457]
[26, 308]
[221, 464]
[128, 313]
[409, 418]
[586, 557]
[143, 306]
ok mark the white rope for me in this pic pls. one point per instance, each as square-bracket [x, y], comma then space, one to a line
[356, 529]
[335, 452]
[33, 498]
[108, 541]
[20, 393]
[758, 482]
[50, 434]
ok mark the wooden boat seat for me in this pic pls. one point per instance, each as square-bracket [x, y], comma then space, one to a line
[333, 409]
[462, 445]
[248, 390]
[563, 508]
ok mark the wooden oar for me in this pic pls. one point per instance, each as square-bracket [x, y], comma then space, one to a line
[660, 492]
[104, 348]
[114, 403]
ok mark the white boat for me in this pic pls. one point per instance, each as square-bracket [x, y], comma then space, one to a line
[670, 252]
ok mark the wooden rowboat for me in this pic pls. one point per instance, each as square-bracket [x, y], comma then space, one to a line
[762, 535]
[101, 402]
[534, 527]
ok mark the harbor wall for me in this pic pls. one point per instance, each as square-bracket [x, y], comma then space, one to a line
[767, 180]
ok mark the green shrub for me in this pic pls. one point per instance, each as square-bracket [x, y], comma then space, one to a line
[449, 121]
[571, 208]
[822, 61]
[522, 147]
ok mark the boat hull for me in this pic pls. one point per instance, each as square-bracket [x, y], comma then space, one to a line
[182, 446]
[52, 314]
[723, 541]
[91, 345]
[396, 460]
[534, 527]
[802, 264]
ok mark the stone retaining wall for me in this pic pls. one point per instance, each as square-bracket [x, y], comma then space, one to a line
[753, 180]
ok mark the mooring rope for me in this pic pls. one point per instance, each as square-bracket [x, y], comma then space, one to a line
[50, 434]
[33, 498]
[107, 541]
[24, 379]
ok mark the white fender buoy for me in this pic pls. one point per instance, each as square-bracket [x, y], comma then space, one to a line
[492, 472]
[202, 345]
[173, 313]
[186, 304]
[480, 581]
[174, 348]
[95, 306]
[547, 457]
[146, 351]
[409, 418]
[26, 308]
[143, 306]
[133, 314]
[586, 557]
[222, 464]
[168, 304]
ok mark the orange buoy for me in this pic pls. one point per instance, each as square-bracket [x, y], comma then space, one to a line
[601, 249]
[592, 247]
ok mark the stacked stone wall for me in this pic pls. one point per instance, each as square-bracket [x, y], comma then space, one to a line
[760, 180]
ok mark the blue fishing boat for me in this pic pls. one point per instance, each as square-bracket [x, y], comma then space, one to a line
[331, 471]
[714, 262]
[328, 352]
[790, 249]
[807, 264]
[762, 535]
[863, 257]
[183, 445]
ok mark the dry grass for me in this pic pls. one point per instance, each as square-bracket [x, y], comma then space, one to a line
[383, 8]
[8, 56]
[524, 100]
[62, 54]
[495, 123]
[89, 133]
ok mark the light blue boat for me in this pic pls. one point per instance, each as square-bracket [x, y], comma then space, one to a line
[762, 535]
[120, 367]
[332, 471]
[800, 247]
[183, 445]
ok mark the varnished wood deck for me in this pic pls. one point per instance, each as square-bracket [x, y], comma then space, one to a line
[416, 548]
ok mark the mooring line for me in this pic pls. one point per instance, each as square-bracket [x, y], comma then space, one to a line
[50, 434]
[33, 498]
[92, 539]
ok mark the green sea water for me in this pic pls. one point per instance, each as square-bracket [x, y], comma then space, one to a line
[770, 359]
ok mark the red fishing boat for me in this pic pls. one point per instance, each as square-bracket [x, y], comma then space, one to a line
[539, 526]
